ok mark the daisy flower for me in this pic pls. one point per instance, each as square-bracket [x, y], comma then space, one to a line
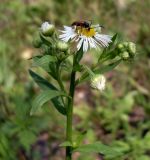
[86, 38]
[98, 82]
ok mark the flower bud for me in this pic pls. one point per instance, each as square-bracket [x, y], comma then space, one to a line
[98, 82]
[132, 48]
[125, 55]
[120, 46]
[47, 29]
[62, 46]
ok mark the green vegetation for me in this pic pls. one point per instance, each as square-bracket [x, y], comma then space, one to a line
[119, 116]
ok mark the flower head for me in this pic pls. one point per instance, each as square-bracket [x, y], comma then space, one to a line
[85, 37]
[47, 29]
[98, 82]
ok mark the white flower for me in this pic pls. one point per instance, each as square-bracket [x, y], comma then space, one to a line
[98, 82]
[86, 38]
[47, 29]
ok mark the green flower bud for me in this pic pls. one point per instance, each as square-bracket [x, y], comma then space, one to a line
[125, 55]
[37, 42]
[121, 47]
[47, 29]
[98, 82]
[62, 46]
[132, 48]
[126, 50]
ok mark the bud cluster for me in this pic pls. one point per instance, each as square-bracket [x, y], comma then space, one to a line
[47, 39]
[127, 50]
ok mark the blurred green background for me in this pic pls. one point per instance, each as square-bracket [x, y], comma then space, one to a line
[119, 116]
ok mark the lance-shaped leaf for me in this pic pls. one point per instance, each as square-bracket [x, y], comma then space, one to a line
[102, 70]
[45, 85]
[109, 52]
[45, 40]
[44, 97]
[43, 61]
[98, 147]
[107, 68]
[113, 40]
[79, 55]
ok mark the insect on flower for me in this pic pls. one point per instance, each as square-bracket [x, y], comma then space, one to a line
[86, 35]
[84, 24]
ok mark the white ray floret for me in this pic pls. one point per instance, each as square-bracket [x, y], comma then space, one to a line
[67, 34]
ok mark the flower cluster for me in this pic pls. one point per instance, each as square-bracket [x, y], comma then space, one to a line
[86, 37]
[127, 50]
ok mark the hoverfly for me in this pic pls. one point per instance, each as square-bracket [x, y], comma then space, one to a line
[84, 24]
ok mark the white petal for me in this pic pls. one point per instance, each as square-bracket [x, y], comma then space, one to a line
[97, 42]
[92, 43]
[68, 34]
[100, 41]
[80, 44]
[67, 28]
[85, 45]
[104, 40]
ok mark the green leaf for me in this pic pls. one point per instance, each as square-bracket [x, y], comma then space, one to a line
[53, 71]
[45, 41]
[114, 37]
[65, 144]
[101, 70]
[78, 137]
[43, 61]
[45, 85]
[109, 52]
[107, 68]
[66, 66]
[143, 157]
[79, 55]
[98, 147]
[77, 67]
[25, 140]
[44, 97]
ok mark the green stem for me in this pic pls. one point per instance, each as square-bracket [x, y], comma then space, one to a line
[70, 114]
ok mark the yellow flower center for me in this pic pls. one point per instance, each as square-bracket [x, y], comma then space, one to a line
[88, 32]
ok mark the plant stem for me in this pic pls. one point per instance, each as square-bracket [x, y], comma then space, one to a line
[70, 115]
